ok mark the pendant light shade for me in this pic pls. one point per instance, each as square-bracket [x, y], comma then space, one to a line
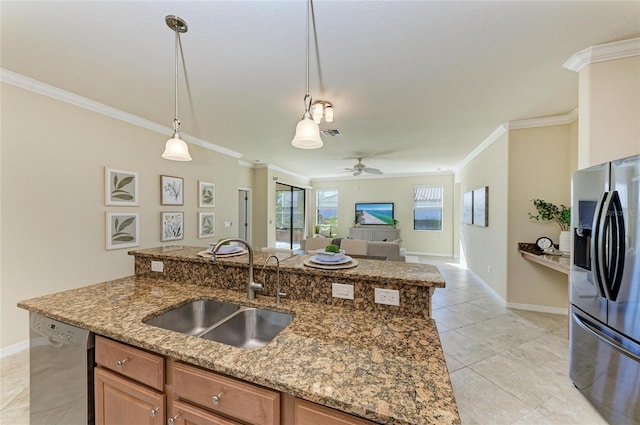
[307, 134]
[176, 149]
[307, 131]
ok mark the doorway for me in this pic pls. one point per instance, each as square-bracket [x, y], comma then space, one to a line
[244, 214]
[290, 216]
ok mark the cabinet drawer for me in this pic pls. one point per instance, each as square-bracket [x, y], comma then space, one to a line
[144, 367]
[239, 400]
[307, 413]
[186, 414]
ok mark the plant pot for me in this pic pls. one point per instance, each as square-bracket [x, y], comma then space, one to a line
[565, 242]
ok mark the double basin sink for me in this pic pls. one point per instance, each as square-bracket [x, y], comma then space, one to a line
[227, 323]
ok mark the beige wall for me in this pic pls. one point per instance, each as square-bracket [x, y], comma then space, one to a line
[52, 197]
[398, 190]
[609, 111]
[485, 248]
[541, 161]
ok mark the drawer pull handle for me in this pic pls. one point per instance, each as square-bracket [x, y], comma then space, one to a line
[153, 412]
[216, 398]
[121, 363]
[172, 421]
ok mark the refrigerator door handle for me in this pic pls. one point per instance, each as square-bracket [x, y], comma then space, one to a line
[628, 348]
[597, 245]
[616, 246]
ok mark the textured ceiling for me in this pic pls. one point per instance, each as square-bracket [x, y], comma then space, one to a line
[416, 85]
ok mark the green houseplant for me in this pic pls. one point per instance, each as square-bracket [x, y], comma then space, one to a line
[560, 215]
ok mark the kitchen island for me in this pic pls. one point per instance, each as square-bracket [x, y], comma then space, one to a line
[383, 367]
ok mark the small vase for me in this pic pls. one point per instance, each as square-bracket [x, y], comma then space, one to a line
[565, 242]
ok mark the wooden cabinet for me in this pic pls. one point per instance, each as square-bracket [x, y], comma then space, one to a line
[122, 401]
[185, 414]
[230, 397]
[307, 413]
[374, 234]
[127, 381]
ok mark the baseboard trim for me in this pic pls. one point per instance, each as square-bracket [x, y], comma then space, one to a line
[538, 308]
[430, 254]
[13, 349]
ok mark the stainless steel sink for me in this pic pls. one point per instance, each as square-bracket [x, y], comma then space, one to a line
[223, 322]
[195, 317]
[250, 328]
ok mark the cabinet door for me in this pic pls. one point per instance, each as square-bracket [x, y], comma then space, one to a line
[185, 414]
[307, 413]
[121, 401]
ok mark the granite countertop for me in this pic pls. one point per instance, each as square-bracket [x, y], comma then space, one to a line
[372, 270]
[390, 370]
[530, 251]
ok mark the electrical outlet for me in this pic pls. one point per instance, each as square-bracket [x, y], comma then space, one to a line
[387, 296]
[341, 290]
[157, 266]
[489, 269]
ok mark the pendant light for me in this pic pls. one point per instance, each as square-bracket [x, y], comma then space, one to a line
[307, 131]
[176, 149]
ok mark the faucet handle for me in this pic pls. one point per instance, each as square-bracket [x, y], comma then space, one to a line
[279, 294]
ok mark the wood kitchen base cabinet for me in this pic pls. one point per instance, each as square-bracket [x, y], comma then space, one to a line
[122, 401]
[302, 412]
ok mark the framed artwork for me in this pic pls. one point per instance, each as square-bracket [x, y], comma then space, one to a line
[120, 187]
[206, 224]
[123, 230]
[481, 206]
[467, 208]
[206, 195]
[171, 190]
[172, 226]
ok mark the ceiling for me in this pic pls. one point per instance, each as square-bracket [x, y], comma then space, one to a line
[416, 85]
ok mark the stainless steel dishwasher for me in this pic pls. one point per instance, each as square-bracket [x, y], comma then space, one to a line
[61, 373]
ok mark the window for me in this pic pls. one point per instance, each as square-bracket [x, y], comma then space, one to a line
[327, 207]
[427, 207]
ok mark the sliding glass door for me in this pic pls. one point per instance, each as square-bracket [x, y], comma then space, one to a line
[290, 206]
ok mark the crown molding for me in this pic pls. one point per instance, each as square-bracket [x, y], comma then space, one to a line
[41, 88]
[565, 119]
[497, 133]
[603, 52]
[244, 163]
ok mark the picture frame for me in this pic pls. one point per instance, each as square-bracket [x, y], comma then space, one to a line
[467, 208]
[206, 194]
[481, 206]
[122, 230]
[120, 187]
[171, 190]
[206, 225]
[172, 226]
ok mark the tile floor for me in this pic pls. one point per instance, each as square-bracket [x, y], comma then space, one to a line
[507, 366]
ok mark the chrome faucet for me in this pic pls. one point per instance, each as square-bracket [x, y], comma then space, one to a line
[252, 287]
[278, 293]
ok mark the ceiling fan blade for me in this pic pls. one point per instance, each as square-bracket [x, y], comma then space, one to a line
[372, 170]
[357, 173]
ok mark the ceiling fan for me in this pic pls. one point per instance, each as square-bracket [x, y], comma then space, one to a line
[360, 167]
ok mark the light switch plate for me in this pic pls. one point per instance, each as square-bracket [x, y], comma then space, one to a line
[157, 266]
[387, 296]
[341, 290]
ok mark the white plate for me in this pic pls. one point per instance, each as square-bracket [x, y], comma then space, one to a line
[319, 260]
[330, 256]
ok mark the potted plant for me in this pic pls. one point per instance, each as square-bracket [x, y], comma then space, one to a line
[560, 215]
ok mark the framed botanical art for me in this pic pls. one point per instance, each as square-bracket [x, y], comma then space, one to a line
[171, 190]
[120, 187]
[172, 226]
[481, 206]
[206, 195]
[206, 225]
[123, 230]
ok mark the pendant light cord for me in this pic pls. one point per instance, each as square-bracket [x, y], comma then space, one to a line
[307, 106]
[176, 121]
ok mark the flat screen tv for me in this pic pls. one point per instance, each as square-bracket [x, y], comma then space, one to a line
[374, 213]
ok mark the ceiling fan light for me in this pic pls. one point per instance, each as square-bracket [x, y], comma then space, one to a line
[307, 134]
[328, 113]
[176, 149]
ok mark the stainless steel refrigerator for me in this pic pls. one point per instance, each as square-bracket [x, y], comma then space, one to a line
[604, 330]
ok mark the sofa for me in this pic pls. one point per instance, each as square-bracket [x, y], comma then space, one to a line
[375, 250]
